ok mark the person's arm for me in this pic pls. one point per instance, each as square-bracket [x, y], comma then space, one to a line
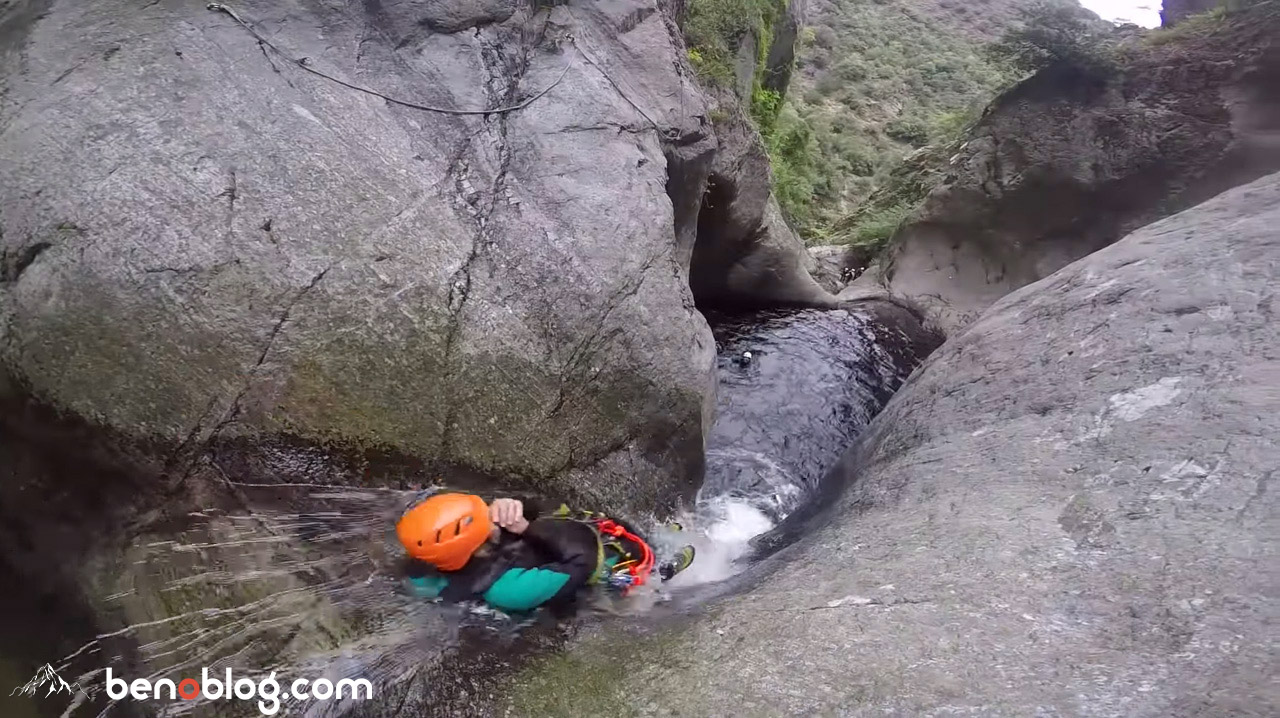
[422, 581]
[506, 512]
[573, 562]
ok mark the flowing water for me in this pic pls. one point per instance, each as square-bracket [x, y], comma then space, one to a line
[307, 583]
[795, 389]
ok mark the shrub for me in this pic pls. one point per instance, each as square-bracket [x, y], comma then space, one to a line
[829, 83]
[859, 164]
[824, 37]
[765, 105]
[875, 227]
[948, 126]
[792, 155]
[852, 69]
[1057, 34]
[908, 130]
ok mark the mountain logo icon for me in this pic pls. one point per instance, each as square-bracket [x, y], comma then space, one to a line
[48, 681]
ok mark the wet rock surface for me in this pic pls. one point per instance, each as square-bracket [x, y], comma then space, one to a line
[299, 578]
[1068, 510]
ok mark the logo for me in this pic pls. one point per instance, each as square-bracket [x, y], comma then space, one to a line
[268, 691]
[47, 679]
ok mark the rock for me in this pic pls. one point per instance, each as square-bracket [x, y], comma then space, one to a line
[1174, 10]
[407, 18]
[1067, 510]
[204, 246]
[746, 255]
[1068, 162]
[837, 266]
[829, 270]
[775, 76]
[744, 66]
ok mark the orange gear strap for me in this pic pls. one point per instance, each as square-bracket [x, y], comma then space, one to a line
[639, 571]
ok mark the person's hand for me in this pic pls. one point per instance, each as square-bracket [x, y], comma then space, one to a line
[509, 514]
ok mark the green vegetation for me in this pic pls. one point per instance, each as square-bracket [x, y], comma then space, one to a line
[1188, 27]
[713, 30]
[876, 225]
[793, 156]
[765, 106]
[894, 201]
[875, 82]
[1057, 34]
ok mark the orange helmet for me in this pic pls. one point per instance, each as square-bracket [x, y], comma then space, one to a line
[445, 529]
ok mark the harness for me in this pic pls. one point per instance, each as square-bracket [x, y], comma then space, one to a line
[635, 558]
[634, 571]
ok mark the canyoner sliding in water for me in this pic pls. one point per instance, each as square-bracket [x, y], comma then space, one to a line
[515, 557]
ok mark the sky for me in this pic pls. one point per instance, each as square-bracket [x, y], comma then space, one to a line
[1140, 12]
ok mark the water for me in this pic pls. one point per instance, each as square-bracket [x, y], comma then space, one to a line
[796, 388]
[307, 582]
[720, 529]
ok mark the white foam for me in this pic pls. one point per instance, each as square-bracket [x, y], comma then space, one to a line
[720, 530]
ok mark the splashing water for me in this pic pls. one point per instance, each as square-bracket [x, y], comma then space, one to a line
[729, 525]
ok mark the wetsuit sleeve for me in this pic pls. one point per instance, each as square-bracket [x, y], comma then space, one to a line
[535, 509]
[573, 560]
[422, 581]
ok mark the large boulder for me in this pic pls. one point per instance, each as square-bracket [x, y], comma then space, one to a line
[1073, 159]
[1066, 511]
[206, 244]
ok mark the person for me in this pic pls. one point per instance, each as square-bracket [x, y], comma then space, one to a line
[515, 557]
